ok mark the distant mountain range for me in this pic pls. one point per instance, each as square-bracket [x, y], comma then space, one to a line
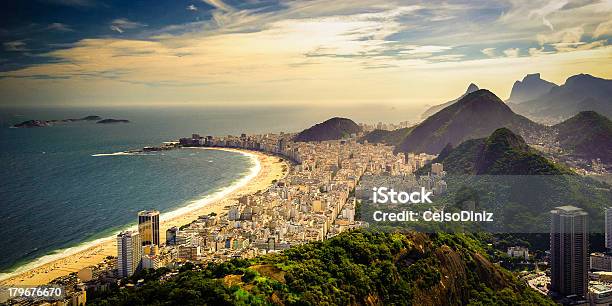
[476, 115]
[332, 129]
[587, 135]
[582, 92]
[531, 87]
[436, 108]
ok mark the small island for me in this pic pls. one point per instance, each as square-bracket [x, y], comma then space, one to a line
[32, 123]
[107, 121]
[46, 123]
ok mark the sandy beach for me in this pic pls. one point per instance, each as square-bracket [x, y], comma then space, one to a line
[270, 168]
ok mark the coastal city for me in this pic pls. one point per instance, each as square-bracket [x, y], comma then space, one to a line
[316, 199]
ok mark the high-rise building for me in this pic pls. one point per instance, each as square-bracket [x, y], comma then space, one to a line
[129, 253]
[608, 229]
[569, 251]
[171, 235]
[148, 226]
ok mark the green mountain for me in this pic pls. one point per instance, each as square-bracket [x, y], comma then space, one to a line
[332, 129]
[502, 153]
[387, 137]
[476, 115]
[517, 183]
[354, 268]
[587, 135]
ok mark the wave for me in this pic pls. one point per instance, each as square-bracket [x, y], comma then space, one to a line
[190, 206]
[113, 154]
[124, 154]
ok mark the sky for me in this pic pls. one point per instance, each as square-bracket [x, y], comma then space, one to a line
[316, 53]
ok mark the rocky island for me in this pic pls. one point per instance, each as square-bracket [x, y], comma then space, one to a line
[46, 123]
[107, 121]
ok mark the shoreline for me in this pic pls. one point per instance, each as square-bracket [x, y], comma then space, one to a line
[266, 168]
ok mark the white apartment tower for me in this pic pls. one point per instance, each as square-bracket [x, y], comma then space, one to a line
[129, 253]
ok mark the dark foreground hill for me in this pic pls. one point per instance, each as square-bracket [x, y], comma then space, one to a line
[476, 115]
[587, 135]
[502, 153]
[518, 183]
[332, 129]
[354, 268]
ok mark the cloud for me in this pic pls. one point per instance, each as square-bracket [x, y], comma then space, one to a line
[61, 27]
[220, 5]
[426, 49]
[490, 52]
[121, 24]
[446, 57]
[603, 29]
[569, 35]
[549, 8]
[538, 51]
[15, 46]
[575, 46]
[306, 49]
[192, 7]
[512, 52]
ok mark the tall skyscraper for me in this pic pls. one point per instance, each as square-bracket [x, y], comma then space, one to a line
[608, 229]
[148, 226]
[129, 253]
[569, 251]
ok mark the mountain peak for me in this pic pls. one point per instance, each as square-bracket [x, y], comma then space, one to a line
[483, 97]
[588, 135]
[582, 77]
[581, 92]
[505, 139]
[532, 77]
[589, 114]
[531, 87]
[436, 108]
[507, 153]
[471, 88]
[331, 129]
[476, 115]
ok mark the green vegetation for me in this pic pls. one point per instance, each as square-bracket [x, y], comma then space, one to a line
[502, 153]
[476, 115]
[332, 129]
[502, 168]
[393, 138]
[587, 135]
[358, 267]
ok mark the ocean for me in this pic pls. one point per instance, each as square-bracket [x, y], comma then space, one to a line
[59, 189]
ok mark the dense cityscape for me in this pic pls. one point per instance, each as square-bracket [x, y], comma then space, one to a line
[318, 199]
